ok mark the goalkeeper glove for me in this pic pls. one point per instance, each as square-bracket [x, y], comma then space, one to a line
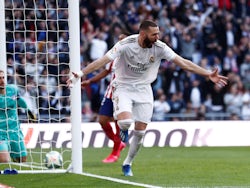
[32, 116]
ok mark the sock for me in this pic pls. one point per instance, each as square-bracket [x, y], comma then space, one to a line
[117, 140]
[108, 131]
[135, 145]
[117, 134]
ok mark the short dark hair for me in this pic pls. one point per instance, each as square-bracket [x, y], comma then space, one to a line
[146, 24]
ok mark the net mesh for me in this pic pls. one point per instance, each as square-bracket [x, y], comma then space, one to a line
[38, 64]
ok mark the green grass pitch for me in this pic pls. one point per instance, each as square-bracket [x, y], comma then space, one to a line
[162, 167]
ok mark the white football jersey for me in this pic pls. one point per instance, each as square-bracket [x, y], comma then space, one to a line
[137, 65]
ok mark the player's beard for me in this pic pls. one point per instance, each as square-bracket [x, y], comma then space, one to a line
[2, 89]
[148, 43]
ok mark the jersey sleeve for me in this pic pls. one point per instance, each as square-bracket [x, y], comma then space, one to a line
[22, 103]
[169, 54]
[115, 51]
[166, 52]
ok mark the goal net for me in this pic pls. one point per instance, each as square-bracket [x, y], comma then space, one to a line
[37, 62]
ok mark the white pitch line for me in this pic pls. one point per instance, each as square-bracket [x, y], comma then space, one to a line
[121, 181]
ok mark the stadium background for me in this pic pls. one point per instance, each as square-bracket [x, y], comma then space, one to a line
[210, 33]
[178, 166]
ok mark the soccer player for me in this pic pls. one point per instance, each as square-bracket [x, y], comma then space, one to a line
[106, 111]
[11, 137]
[106, 116]
[139, 56]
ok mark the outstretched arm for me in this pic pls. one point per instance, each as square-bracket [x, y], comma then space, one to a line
[96, 78]
[95, 65]
[191, 67]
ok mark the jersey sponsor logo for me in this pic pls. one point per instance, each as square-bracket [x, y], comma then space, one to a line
[137, 69]
[141, 67]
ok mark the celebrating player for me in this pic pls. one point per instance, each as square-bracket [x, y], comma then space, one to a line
[106, 111]
[11, 137]
[139, 57]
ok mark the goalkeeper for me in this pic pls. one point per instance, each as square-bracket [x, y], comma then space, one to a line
[12, 144]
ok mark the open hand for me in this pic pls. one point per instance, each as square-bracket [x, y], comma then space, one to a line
[221, 81]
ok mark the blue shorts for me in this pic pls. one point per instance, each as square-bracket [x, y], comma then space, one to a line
[106, 108]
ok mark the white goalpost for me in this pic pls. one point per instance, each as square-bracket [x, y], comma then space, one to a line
[74, 47]
[40, 46]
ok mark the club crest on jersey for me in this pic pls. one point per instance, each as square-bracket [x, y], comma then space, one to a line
[114, 50]
[151, 59]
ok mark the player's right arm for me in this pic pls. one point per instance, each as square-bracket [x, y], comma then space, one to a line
[95, 65]
[96, 78]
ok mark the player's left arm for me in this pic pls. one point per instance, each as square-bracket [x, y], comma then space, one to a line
[192, 67]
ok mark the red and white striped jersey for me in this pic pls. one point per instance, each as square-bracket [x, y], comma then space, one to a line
[111, 68]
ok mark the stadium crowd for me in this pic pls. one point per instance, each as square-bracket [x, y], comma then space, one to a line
[211, 33]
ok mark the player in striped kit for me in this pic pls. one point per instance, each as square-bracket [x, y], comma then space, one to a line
[139, 57]
[106, 111]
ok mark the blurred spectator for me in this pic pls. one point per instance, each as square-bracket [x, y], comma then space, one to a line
[88, 115]
[234, 116]
[63, 47]
[200, 116]
[230, 62]
[176, 105]
[217, 100]
[245, 111]
[164, 21]
[225, 4]
[43, 100]
[10, 70]
[188, 112]
[47, 81]
[211, 33]
[233, 100]
[230, 34]
[98, 46]
[245, 71]
[210, 41]
[171, 80]
[187, 45]
[161, 107]
[195, 96]
[242, 9]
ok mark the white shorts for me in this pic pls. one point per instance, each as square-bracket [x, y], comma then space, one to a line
[138, 100]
